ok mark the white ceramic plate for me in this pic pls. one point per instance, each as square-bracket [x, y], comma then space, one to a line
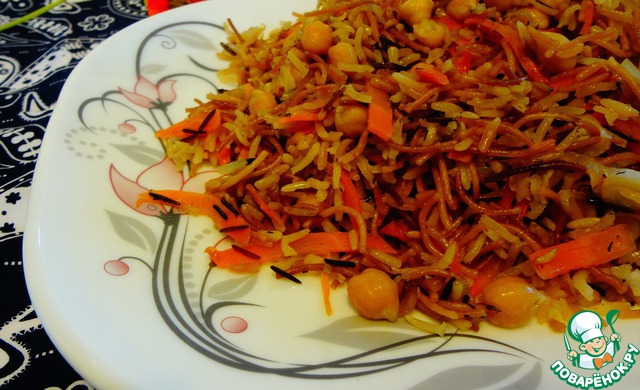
[126, 293]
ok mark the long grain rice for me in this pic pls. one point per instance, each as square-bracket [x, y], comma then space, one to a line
[498, 153]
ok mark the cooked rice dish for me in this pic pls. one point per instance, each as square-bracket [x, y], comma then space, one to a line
[459, 160]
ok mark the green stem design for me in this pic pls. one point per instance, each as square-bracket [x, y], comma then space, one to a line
[31, 15]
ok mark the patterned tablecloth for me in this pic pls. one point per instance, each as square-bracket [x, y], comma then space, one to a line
[35, 59]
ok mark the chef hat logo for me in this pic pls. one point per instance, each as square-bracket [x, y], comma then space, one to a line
[585, 326]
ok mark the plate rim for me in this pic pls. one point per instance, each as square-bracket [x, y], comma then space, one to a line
[32, 252]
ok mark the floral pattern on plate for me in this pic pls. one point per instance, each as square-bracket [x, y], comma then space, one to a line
[149, 259]
[208, 310]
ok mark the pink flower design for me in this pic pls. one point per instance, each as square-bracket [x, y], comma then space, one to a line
[127, 128]
[149, 95]
[116, 267]
[162, 175]
[234, 324]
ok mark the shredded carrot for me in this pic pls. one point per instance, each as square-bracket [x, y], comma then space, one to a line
[584, 252]
[299, 117]
[305, 127]
[195, 203]
[243, 153]
[564, 79]
[202, 123]
[512, 38]
[630, 127]
[316, 243]
[382, 207]
[223, 156]
[456, 266]
[350, 196]
[275, 217]
[589, 10]
[380, 120]
[288, 32]
[448, 21]
[326, 292]
[431, 74]
[525, 206]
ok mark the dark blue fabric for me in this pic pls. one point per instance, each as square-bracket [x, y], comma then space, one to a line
[35, 60]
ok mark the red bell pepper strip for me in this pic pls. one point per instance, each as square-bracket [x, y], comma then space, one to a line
[462, 63]
[154, 7]
[396, 229]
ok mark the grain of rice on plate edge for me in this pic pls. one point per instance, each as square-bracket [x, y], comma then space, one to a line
[456, 160]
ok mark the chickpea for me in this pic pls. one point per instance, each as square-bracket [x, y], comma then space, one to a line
[514, 299]
[374, 295]
[415, 11]
[430, 32]
[342, 53]
[261, 101]
[316, 37]
[529, 17]
[460, 9]
[542, 41]
[351, 120]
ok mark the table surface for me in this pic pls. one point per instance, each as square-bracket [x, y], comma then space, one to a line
[35, 59]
